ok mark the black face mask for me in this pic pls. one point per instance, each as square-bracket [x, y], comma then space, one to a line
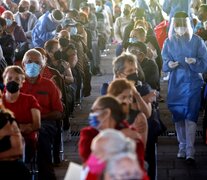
[32, 9]
[12, 87]
[133, 77]
[22, 9]
[63, 42]
[60, 55]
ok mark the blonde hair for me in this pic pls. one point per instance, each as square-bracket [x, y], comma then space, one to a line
[14, 68]
[117, 86]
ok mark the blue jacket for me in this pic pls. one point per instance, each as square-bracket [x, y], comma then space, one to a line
[185, 82]
[43, 30]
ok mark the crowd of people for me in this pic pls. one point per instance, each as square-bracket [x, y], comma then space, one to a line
[50, 49]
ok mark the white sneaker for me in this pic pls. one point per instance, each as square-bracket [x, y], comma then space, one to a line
[181, 154]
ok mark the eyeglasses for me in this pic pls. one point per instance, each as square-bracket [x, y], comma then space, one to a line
[96, 109]
[136, 52]
[33, 61]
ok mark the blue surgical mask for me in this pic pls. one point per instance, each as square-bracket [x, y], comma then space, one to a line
[98, 8]
[93, 120]
[8, 22]
[133, 40]
[73, 31]
[32, 69]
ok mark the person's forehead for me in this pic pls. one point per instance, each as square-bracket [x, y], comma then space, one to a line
[7, 14]
[33, 57]
[11, 72]
[128, 65]
[131, 48]
[64, 33]
[71, 51]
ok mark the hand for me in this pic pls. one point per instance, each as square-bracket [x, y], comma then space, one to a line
[131, 134]
[150, 97]
[173, 64]
[190, 60]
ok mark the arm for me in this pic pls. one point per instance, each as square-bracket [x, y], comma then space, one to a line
[16, 149]
[67, 76]
[141, 125]
[54, 115]
[86, 136]
[32, 22]
[55, 104]
[201, 57]
[117, 33]
[6, 130]
[142, 104]
[35, 125]
[166, 57]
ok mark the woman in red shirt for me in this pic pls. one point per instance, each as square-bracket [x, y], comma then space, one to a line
[25, 107]
[107, 112]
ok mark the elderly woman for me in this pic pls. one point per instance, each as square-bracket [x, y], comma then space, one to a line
[124, 166]
[107, 112]
[101, 152]
[28, 117]
[124, 90]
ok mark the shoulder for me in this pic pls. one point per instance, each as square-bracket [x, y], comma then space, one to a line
[45, 81]
[27, 97]
[88, 131]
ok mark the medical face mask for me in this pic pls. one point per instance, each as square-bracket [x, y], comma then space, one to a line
[180, 31]
[95, 165]
[8, 22]
[98, 8]
[32, 69]
[133, 40]
[12, 87]
[93, 120]
[73, 31]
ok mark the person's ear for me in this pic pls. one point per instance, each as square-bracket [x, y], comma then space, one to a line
[107, 113]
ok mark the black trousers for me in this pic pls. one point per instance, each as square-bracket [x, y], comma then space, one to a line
[10, 170]
[46, 138]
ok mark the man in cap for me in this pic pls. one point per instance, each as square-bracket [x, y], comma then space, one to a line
[45, 27]
[184, 56]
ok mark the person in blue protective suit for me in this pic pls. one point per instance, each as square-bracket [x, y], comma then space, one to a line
[184, 56]
[45, 28]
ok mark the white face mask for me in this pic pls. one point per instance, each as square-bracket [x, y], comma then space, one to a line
[180, 30]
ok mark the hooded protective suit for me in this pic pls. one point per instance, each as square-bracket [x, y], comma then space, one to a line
[185, 82]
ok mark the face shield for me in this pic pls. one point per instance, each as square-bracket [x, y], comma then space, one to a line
[180, 27]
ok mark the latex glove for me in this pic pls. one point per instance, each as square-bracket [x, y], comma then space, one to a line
[173, 64]
[190, 60]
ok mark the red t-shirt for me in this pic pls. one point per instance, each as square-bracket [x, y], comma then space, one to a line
[46, 92]
[22, 108]
[2, 9]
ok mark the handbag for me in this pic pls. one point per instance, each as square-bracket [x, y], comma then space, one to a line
[158, 126]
